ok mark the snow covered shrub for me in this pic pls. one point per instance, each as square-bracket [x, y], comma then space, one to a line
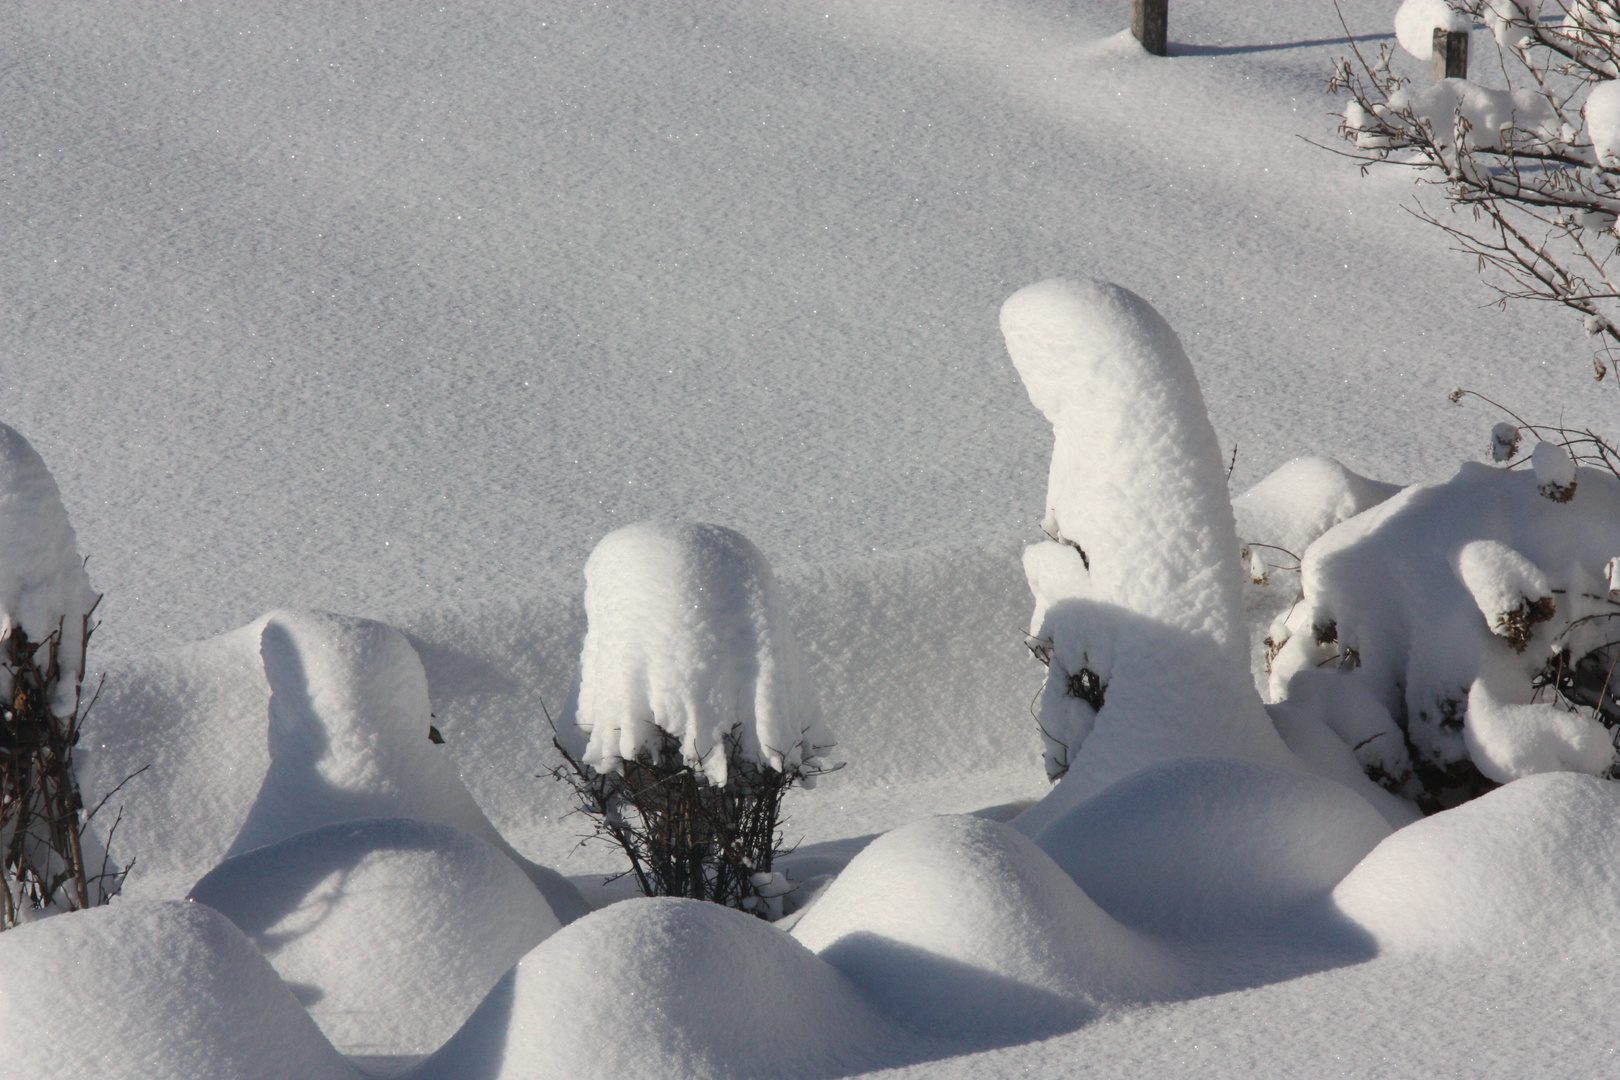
[1138, 590]
[45, 606]
[695, 713]
[1476, 619]
[1534, 163]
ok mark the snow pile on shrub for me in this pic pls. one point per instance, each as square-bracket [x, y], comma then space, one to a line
[1209, 845]
[1300, 501]
[43, 585]
[1442, 604]
[1138, 595]
[1532, 865]
[390, 931]
[148, 990]
[688, 636]
[665, 987]
[958, 923]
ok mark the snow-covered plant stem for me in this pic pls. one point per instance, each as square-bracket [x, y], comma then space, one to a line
[684, 834]
[693, 708]
[41, 811]
[46, 604]
[1532, 166]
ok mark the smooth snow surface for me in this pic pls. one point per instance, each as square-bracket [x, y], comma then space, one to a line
[661, 988]
[1532, 866]
[959, 924]
[43, 585]
[687, 637]
[389, 931]
[1209, 845]
[146, 990]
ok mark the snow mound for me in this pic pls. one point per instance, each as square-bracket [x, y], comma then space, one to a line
[297, 720]
[390, 931]
[1534, 864]
[43, 586]
[1301, 500]
[1446, 584]
[1210, 845]
[1602, 111]
[659, 988]
[962, 923]
[1138, 593]
[687, 635]
[148, 990]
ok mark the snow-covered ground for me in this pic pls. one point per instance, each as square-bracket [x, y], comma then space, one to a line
[395, 311]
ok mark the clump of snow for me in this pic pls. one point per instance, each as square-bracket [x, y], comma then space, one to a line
[1509, 590]
[1602, 110]
[142, 990]
[43, 584]
[957, 923]
[1509, 735]
[1301, 500]
[1555, 471]
[390, 931]
[657, 988]
[1417, 20]
[1138, 595]
[1505, 439]
[688, 636]
[1510, 20]
[1410, 598]
[1210, 845]
[1534, 864]
[1136, 480]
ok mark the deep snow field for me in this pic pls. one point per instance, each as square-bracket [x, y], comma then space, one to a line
[338, 318]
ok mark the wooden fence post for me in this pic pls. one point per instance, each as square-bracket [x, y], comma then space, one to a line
[1450, 57]
[1150, 21]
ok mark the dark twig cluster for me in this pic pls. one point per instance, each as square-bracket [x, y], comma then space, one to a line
[42, 818]
[684, 834]
[1532, 198]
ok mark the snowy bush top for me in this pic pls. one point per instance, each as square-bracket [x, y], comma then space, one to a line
[43, 585]
[1136, 481]
[687, 635]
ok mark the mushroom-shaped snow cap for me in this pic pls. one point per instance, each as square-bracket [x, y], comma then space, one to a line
[687, 637]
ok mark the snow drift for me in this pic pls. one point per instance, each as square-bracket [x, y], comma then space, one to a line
[961, 924]
[1208, 846]
[158, 989]
[657, 988]
[390, 931]
[1534, 865]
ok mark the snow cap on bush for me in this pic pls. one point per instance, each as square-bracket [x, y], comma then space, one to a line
[43, 585]
[687, 635]
[1417, 20]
